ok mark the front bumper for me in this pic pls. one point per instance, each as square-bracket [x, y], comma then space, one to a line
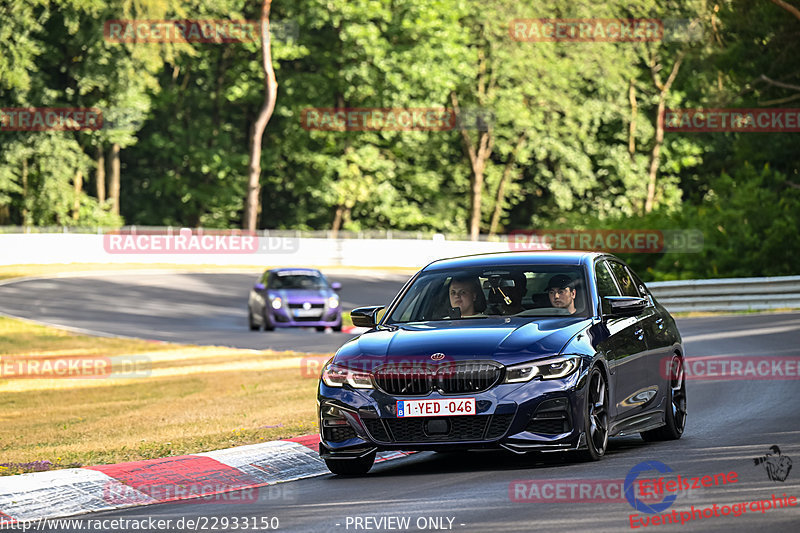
[534, 416]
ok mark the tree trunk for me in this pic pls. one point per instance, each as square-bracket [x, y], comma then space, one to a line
[25, 214]
[501, 188]
[634, 113]
[76, 203]
[477, 160]
[100, 177]
[659, 138]
[257, 131]
[113, 188]
[337, 221]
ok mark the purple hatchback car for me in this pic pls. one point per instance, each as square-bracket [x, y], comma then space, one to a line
[285, 297]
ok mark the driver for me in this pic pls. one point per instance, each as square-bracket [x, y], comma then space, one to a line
[561, 290]
[466, 294]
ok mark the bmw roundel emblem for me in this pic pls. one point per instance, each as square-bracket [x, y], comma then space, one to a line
[437, 356]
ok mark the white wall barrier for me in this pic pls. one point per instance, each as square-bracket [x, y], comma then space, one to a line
[54, 248]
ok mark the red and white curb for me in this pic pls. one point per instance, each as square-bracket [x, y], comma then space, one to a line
[59, 493]
[353, 330]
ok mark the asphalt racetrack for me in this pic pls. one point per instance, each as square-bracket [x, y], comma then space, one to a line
[209, 309]
[731, 423]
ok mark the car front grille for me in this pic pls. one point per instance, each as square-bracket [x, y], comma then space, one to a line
[450, 378]
[306, 318]
[456, 428]
[300, 306]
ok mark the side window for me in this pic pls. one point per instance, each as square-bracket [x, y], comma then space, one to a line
[626, 283]
[605, 284]
[639, 283]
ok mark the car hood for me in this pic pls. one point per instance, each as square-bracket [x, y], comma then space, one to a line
[301, 295]
[506, 340]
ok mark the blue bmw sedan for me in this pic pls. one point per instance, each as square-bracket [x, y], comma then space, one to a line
[535, 351]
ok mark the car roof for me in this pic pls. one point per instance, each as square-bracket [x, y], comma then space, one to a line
[295, 269]
[546, 257]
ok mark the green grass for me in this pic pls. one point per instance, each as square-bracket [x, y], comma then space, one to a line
[193, 399]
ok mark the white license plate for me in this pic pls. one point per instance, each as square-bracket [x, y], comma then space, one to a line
[307, 312]
[448, 407]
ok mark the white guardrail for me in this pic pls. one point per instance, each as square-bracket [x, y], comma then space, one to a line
[728, 294]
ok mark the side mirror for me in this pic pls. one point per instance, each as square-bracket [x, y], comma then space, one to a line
[365, 317]
[259, 286]
[620, 306]
[336, 286]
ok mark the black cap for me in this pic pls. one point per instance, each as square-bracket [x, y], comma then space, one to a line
[561, 281]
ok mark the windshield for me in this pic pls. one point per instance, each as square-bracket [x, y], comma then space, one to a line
[524, 291]
[296, 280]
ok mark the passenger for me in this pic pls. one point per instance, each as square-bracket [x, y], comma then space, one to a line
[562, 293]
[466, 294]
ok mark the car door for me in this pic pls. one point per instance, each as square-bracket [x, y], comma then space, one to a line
[258, 295]
[659, 335]
[639, 385]
[626, 348]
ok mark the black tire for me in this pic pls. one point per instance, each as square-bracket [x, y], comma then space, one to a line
[351, 467]
[320, 328]
[675, 408]
[337, 328]
[250, 322]
[595, 417]
[269, 325]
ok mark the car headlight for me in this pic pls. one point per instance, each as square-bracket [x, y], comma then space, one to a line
[336, 376]
[553, 368]
[333, 302]
[277, 302]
